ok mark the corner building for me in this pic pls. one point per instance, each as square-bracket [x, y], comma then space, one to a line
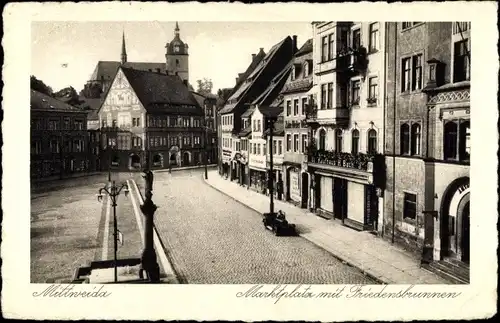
[428, 142]
[345, 119]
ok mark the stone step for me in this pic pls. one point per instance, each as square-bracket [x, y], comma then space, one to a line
[450, 272]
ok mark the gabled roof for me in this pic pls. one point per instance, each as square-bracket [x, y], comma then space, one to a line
[249, 112]
[245, 132]
[274, 88]
[306, 48]
[279, 129]
[239, 94]
[43, 102]
[269, 111]
[162, 93]
[106, 70]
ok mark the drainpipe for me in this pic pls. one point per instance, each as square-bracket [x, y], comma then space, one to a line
[385, 100]
[394, 133]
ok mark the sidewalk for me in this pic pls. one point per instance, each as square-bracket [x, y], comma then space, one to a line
[184, 168]
[372, 255]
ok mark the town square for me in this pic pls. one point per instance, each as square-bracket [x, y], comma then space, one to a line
[329, 152]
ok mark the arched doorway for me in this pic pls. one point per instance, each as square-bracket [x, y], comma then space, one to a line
[174, 150]
[455, 221]
[186, 159]
[134, 161]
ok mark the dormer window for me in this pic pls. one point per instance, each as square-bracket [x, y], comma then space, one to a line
[306, 69]
[292, 76]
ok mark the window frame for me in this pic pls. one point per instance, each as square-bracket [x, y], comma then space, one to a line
[355, 141]
[407, 201]
[373, 44]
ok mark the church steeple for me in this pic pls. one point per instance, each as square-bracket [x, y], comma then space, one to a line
[177, 29]
[124, 50]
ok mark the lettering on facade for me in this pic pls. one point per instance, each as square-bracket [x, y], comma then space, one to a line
[294, 186]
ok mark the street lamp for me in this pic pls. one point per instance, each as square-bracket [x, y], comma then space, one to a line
[113, 193]
[206, 148]
[270, 125]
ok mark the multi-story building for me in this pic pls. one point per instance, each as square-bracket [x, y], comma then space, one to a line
[150, 119]
[226, 122]
[250, 89]
[59, 138]
[222, 96]
[295, 98]
[208, 102]
[346, 126]
[428, 141]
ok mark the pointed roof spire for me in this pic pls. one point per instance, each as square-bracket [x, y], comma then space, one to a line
[124, 49]
[177, 28]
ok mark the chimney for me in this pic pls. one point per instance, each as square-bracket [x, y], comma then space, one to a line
[253, 56]
[237, 79]
[294, 43]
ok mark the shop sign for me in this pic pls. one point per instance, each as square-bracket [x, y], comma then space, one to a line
[294, 186]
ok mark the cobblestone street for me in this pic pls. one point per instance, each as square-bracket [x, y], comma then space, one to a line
[213, 239]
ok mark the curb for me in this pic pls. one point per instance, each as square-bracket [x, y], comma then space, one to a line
[164, 259]
[184, 168]
[342, 259]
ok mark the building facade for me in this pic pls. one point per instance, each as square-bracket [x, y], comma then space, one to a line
[243, 97]
[345, 119]
[209, 104]
[295, 101]
[428, 139]
[59, 138]
[150, 120]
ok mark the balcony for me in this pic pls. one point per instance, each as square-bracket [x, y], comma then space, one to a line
[352, 61]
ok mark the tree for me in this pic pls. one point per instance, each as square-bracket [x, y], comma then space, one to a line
[68, 95]
[38, 85]
[205, 86]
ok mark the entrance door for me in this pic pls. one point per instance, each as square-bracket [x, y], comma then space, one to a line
[173, 159]
[185, 159]
[340, 198]
[305, 189]
[465, 243]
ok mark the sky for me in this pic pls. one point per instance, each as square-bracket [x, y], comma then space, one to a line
[217, 50]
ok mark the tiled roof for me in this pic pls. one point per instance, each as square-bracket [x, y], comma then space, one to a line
[274, 88]
[107, 69]
[243, 76]
[302, 85]
[306, 48]
[40, 101]
[162, 93]
[245, 132]
[249, 112]
[270, 111]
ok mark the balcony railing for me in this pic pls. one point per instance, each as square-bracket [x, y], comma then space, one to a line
[352, 59]
[361, 161]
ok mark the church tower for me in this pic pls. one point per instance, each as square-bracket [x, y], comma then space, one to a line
[177, 56]
[124, 50]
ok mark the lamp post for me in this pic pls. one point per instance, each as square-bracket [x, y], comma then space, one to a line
[148, 259]
[113, 193]
[206, 148]
[270, 126]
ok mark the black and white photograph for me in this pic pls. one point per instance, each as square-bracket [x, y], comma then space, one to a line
[293, 160]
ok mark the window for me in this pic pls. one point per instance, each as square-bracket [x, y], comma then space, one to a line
[460, 27]
[36, 147]
[288, 142]
[53, 124]
[324, 49]
[415, 139]
[372, 89]
[258, 149]
[356, 39]
[355, 92]
[275, 147]
[304, 105]
[254, 149]
[330, 96]
[373, 46]
[410, 206]
[280, 147]
[461, 63]
[464, 141]
[417, 73]
[343, 95]
[288, 108]
[177, 62]
[114, 124]
[322, 139]
[355, 141]
[66, 123]
[323, 96]
[406, 81]
[264, 149]
[330, 46]
[304, 144]
[295, 143]
[259, 126]
[292, 74]
[405, 139]
[77, 146]
[306, 69]
[338, 140]
[450, 140]
[104, 124]
[344, 38]
[197, 140]
[54, 146]
[295, 107]
[372, 141]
